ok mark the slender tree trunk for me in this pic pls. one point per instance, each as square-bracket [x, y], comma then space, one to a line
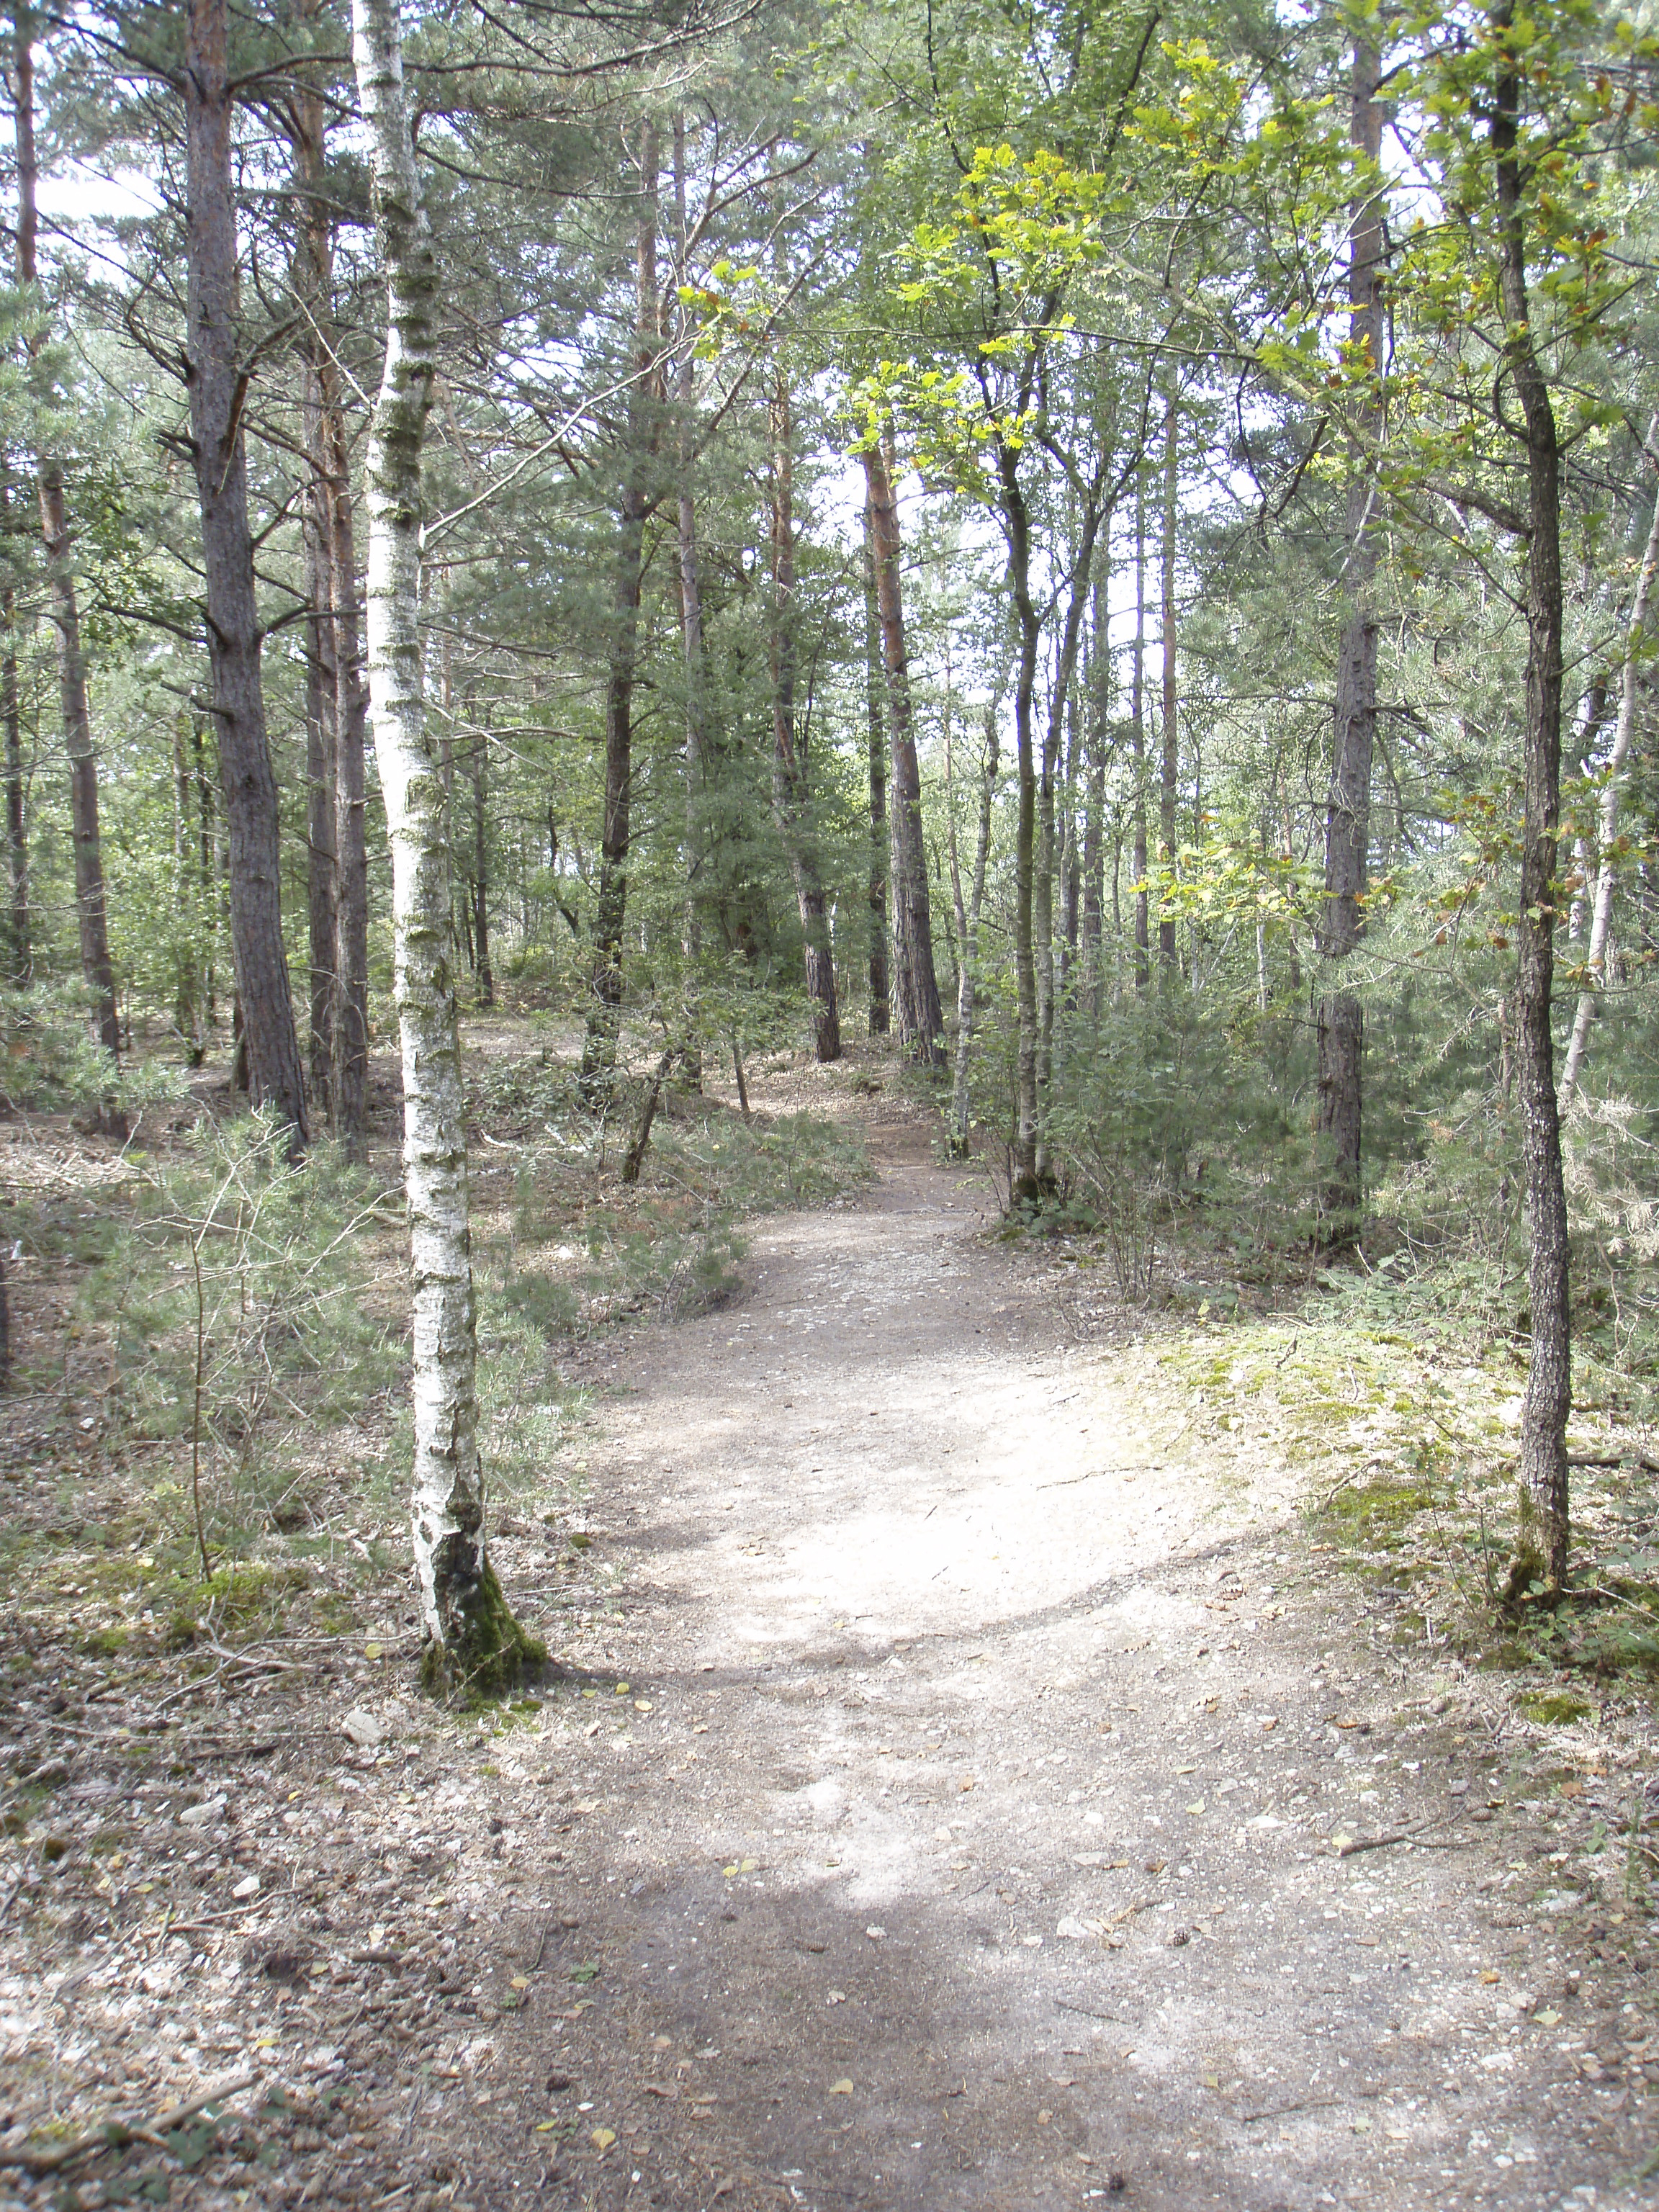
[790, 799]
[350, 1076]
[1348, 810]
[1043, 891]
[1023, 1184]
[97, 971]
[1168, 786]
[879, 1004]
[471, 1637]
[186, 997]
[691, 640]
[921, 1023]
[217, 383]
[967, 924]
[19, 959]
[605, 1012]
[321, 749]
[480, 782]
[1094, 803]
[1606, 875]
[1549, 1379]
[1137, 748]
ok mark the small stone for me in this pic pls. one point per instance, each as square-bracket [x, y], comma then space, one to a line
[364, 1731]
[198, 1816]
[248, 1887]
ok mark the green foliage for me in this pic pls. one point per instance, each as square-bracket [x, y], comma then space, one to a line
[246, 1319]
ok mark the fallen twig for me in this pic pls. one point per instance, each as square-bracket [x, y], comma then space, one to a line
[1279, 2111]
[113, 2133]
[1395, 1836]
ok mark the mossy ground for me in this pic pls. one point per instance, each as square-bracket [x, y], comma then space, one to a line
[1409, 1446]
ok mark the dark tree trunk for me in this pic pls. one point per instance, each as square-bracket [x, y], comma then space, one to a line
[1169, 785]
[321, 751]
[1549, 1380]
[97, 971]
[217, 381]
[1094, 800]
[610, 912]
[1348, 810]
[19, 954]
[1137, 750]
[920, 1024]
[1024, 1186]
[350, 1080]
[879, 1014]
[1043, 883]
[480, 780]
[791, 798]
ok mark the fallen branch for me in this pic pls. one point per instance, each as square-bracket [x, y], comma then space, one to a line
[113, 2133]
[1395, 1836]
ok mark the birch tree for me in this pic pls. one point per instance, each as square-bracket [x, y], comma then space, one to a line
[472, 1636]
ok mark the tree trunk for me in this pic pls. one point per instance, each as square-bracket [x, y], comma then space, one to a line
[1348, 810]
[217, 384]
[790, 799]
[1549, 1378]
[921, 1023]
[691, 640]
[19, 954]
[1093, 802]
[322, 691]
[471, 1637]
[1168, 779]
[879, 1002]
[349, 1074]
[968, 920]
[97, 971]
[1137, 748]
[1606, 871]
[1023, 1186]
[480, 781]
[605, 1010]
[1043, 887]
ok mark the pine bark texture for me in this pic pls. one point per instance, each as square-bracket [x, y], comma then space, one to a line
[471, 1635]
[880, 1013]
[1340, 1025]
[915, 986]
[217, 381]
[1548, 1397]
[97, 970]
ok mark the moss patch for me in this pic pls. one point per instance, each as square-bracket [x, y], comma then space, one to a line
[494, 1656]
[1553, 1708]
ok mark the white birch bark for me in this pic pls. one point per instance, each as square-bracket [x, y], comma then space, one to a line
[467, 1625]
[1608, 825]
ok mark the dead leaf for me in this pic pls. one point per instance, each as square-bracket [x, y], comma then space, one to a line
[842, 2089]
[602, 2138]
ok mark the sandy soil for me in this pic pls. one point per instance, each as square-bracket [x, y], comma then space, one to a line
[972, 1832]
[967, 1784]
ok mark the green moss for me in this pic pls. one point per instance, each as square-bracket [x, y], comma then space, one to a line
[107, 1643]
[1553, 1707]
[494, 1655]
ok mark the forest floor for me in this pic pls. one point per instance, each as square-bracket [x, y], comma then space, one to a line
[972, 1776]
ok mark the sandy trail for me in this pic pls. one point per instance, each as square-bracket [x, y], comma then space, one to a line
[969, 1835]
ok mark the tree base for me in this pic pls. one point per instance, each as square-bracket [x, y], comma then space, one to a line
[495, 1653]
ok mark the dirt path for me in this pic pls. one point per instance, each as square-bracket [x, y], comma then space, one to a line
[970, 1832]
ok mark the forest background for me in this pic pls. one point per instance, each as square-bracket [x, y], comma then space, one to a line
[1113, 544]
